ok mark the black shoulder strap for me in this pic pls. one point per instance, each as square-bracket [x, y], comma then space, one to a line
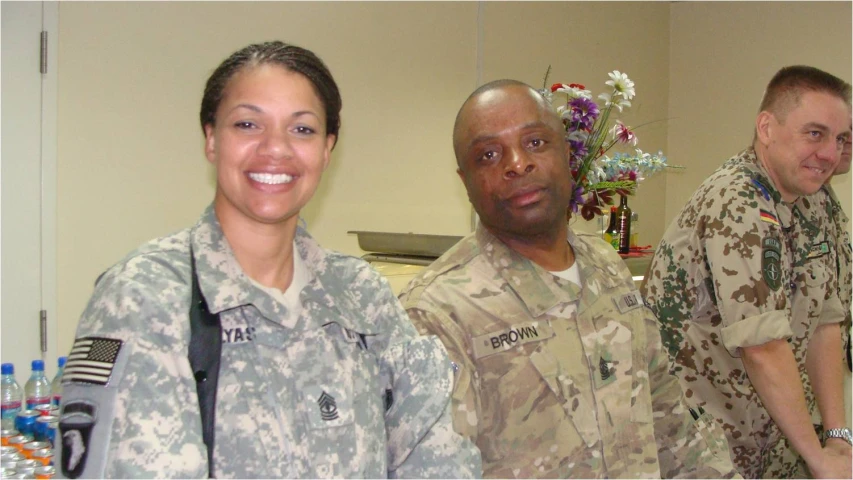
[204, 354]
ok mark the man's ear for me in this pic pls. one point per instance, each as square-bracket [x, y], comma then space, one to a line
[764, 124]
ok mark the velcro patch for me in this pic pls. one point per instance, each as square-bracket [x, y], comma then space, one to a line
[92, 360]
[769, 217]
[75, 426]
[629, 302]
[503, 340]
[328, 407]
[819, 250]
[771, 257]
[761, 188]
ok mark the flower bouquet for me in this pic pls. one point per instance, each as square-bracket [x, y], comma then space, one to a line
[592, 134]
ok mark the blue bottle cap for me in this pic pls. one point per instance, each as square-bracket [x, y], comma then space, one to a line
[8, 369]
[38, 366]
[61, 361]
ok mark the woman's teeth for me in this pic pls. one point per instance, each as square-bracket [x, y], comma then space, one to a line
[271, 179]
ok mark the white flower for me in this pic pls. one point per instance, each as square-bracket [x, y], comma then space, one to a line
[622, 84]
[574, 92]
[619, 103]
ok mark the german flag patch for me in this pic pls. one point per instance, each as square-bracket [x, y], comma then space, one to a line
[769, 217]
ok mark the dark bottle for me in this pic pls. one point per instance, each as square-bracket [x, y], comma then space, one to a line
[623, 224]
[611, 235]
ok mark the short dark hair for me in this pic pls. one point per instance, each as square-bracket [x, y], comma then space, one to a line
[788, 85]
[290, 57]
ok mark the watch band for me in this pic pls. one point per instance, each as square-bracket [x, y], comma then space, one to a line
[842, 433]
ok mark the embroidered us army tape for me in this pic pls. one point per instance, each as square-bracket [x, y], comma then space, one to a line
[503, 340]
[629, 301]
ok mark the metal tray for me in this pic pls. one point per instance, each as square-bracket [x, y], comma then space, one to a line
[405, 243]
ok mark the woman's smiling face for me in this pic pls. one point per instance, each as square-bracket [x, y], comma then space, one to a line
[268, 144]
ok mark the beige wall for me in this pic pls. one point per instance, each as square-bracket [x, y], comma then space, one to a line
[722, 56]
[130, 164]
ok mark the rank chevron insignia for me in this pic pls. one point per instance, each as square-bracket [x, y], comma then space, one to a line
[604, 369]
[328, 407]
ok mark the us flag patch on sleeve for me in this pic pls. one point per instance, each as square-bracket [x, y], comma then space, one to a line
[92, 360]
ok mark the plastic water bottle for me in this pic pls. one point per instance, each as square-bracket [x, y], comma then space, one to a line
[56, 384]
[37, 389]
[12, 396]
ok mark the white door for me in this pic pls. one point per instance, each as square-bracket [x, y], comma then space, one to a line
[27, 186]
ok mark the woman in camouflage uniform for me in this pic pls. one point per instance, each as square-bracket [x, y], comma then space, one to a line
[322, 374]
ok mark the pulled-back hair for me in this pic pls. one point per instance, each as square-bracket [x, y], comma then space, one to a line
[788, 85]
[290, 57]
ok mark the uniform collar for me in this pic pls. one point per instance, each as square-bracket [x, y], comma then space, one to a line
[225, 285]
[537, 288]
[765, 187]
[760, 176]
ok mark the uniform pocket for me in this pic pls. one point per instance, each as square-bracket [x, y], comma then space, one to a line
[326, 406]
[569, 395]
[713, 435]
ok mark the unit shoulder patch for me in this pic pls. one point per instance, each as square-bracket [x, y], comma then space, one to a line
[771, 257]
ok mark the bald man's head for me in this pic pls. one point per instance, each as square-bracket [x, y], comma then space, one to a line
[487, 92]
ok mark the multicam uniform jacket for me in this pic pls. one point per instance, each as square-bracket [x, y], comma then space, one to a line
[739, 267]
[554, 380]
[345, 389]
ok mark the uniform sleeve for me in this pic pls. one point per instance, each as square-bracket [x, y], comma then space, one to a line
[421, 440]
[465, 400]
[688, 447]
[129, 406]
[747, 259]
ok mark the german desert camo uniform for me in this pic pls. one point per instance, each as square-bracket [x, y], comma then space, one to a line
[554, 380]
[739, 267]
[845, 281]
[347, 388]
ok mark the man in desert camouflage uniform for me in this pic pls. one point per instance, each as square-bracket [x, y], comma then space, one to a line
[326, 389]
[842, 230]
[744, 286]
[560, 370]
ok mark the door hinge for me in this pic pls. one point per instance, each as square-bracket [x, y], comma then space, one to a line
[43, 330]
[43, 56]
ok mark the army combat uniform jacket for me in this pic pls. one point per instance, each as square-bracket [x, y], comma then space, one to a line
[345, 389]
[739, 267]
[554, 380]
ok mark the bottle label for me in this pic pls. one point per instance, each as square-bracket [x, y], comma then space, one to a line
[56, 400]
[614, 240]
[35, 401]
[11, 409]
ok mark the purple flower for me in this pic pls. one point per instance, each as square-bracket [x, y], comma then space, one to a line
[577, 198]
[579, 149]
[584, 112]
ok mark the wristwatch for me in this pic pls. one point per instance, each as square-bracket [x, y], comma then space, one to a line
[842, 433]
